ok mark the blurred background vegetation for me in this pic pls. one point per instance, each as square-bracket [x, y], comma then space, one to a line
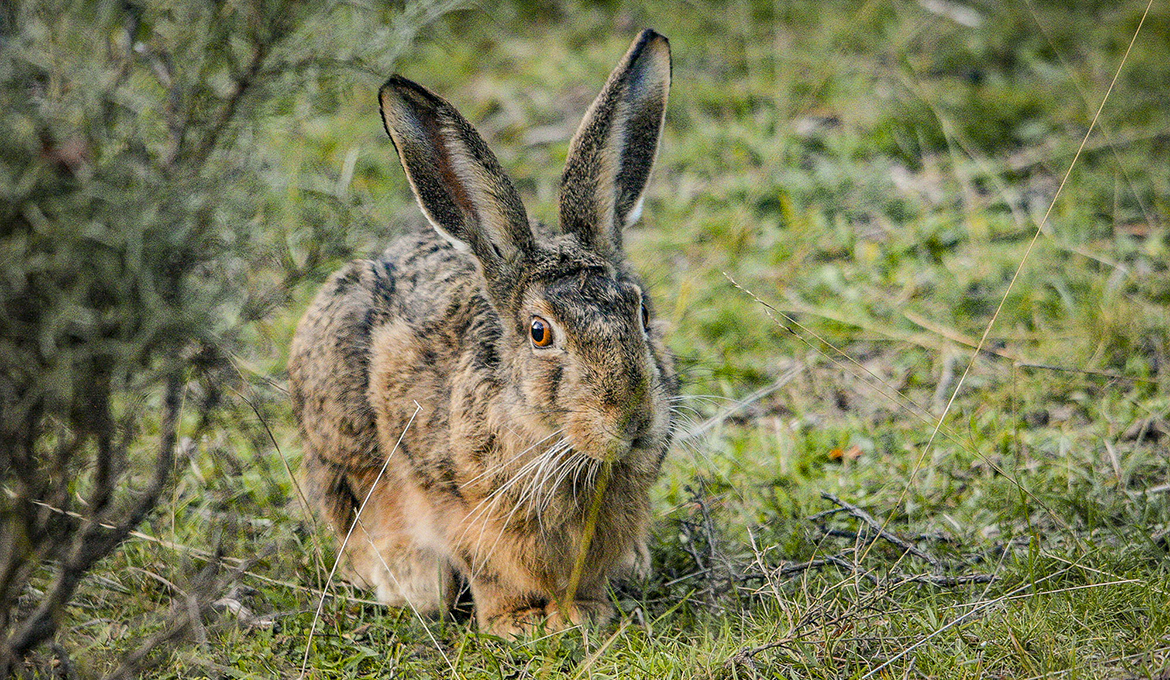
[178, 177]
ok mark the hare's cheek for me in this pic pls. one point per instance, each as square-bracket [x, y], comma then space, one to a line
[551, 387]
[544, 384]
[546, 375]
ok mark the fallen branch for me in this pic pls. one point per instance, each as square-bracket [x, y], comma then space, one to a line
[947, 581]
[880, 529]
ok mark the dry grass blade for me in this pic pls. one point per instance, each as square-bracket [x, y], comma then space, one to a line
[1024, 260]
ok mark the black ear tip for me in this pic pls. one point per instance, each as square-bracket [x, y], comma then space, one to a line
[650, 36]
[400, 86]
[649, 47]
[393, 83]
[411, 93]
[403, 103]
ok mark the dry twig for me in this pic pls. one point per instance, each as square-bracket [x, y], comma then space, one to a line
[880, 529]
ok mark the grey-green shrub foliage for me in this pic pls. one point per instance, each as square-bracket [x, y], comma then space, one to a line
[132, 190]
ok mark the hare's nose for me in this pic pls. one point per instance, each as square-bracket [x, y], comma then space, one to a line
[636, 425]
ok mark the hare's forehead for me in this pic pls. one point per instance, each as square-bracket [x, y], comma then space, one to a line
[586, 299]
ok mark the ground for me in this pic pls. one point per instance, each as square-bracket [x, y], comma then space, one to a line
[850, 197]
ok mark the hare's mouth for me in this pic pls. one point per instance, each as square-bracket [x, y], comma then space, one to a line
[642, 442]
[602, 439]
[619, 448]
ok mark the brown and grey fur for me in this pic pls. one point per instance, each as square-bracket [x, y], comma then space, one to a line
[493, 482]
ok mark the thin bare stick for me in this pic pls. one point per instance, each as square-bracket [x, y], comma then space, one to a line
[879, 527]
[345, 541]
[947, 581]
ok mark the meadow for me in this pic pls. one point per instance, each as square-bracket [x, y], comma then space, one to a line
[915, 259]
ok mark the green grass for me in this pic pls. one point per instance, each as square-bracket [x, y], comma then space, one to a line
[873, 171]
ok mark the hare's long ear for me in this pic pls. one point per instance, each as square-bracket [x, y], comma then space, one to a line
[610, 156]
[457, 180]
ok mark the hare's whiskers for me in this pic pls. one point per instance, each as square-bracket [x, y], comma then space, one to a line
[591, 476]
[500, 466]
[695, 429]
[571, 462]
[684, 416]
[686, 409]
[558, 476]
[701, 398]
[482, 509]
[527, 495]
[690, 427]
[499, 492]
[516, 476]
[585, 464]
[547, 488]
[529, 471]
[540, 478]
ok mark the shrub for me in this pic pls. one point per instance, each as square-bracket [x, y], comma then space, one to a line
[133, 182]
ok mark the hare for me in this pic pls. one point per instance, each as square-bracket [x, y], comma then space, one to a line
[487, 403]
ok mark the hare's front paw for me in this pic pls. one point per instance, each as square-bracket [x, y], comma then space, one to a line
[549, 618]
[515, 623]
[580, 612]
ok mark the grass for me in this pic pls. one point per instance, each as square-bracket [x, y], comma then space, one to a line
[873, 172]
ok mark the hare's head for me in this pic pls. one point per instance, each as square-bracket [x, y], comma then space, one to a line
[578, 332]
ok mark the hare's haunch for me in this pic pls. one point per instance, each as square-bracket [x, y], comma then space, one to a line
[532, 356]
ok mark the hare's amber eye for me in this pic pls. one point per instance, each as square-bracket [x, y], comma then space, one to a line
[645, 317]
[541, 332]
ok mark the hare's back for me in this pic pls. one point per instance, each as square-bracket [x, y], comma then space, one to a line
[367, 325]
[329, 363]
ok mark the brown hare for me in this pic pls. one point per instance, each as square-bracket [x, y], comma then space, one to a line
[505, 384]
